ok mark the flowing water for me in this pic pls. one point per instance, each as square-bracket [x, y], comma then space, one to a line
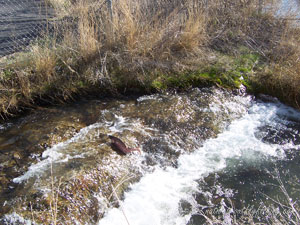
[157, 197]
[207, 154]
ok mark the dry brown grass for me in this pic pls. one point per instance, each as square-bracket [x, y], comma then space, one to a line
[281, 77]
[130, 44]
[61, 7]
[44, 60]
[138, 28]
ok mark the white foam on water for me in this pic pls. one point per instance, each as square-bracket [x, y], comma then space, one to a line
[62, 153]
[5, 126]
[119, 125]
[123, 123]
[155, 198]
[56, 154]
[149, 97]
[15, 218]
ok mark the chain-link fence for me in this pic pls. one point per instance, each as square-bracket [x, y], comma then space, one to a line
[21, 22]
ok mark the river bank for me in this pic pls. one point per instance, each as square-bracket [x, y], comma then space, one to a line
[147, 52]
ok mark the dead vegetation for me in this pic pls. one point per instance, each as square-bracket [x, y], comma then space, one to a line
[128, 45]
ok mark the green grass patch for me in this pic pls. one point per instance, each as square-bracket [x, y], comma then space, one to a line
[231, 75]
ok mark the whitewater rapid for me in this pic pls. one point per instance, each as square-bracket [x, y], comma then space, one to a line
[156, 197]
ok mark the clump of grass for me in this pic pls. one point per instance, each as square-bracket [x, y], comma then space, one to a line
[281, 78]
[145, 46]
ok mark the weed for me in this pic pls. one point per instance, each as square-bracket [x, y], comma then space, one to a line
[128, 45]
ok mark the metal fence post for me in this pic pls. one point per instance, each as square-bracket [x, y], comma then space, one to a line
[260, 6]
[109, 6]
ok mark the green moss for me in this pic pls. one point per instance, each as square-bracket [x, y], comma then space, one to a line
[7, 74]
[82, 84]
[158, 85]
[230, 73]
[187, 79]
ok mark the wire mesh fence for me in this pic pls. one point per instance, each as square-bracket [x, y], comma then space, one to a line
[22, 22]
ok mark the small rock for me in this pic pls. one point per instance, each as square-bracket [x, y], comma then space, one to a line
[17, 155]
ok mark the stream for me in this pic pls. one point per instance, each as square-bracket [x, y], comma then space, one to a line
[207, 155]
